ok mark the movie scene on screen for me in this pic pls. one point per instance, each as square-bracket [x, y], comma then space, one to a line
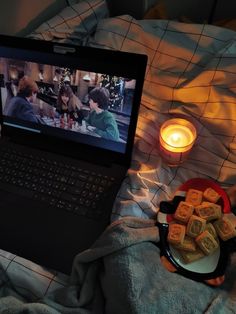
[90, 103]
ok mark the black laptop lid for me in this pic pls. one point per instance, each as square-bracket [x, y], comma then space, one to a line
[55, 66]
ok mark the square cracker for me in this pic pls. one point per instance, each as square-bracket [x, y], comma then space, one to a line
[194, 197]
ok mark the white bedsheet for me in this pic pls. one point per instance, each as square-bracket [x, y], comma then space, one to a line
[191, 73]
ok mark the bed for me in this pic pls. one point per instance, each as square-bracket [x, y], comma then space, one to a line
[191, 73]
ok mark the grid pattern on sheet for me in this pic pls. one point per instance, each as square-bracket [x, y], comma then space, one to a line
[74, 23]
[191, 73]
[27, 279]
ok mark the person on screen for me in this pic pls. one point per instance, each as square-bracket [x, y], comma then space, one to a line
[68, 103]
[100, 120]
[20, 106]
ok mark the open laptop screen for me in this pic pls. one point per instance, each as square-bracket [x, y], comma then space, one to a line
[83, 106]
[68, 94]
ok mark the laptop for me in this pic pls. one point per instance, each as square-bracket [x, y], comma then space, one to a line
[60, 173]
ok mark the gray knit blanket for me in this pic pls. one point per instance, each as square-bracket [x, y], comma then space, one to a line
[122, 273]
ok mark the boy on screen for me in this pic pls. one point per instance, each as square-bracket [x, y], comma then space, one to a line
[20, 105]
[100, 119]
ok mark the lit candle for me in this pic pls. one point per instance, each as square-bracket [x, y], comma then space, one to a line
[177, 137]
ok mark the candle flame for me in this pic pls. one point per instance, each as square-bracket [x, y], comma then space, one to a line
[175, 137]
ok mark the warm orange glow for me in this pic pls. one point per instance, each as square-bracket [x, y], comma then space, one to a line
[177, 137]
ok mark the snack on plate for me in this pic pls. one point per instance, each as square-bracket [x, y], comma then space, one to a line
[207, 242]
[188, 244]
[218, 209]
[183, 212]
[194, 197]
[225, 229]
[211, 195]
[210, 228]
[208, 211]
[195, 226]
[189, 257]
[198, 224]
[176, 233]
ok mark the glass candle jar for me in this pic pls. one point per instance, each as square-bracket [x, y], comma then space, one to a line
[176, 139]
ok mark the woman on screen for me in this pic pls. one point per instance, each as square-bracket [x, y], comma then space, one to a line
[68, 103]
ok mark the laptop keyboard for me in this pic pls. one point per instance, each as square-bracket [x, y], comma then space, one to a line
[60, 185]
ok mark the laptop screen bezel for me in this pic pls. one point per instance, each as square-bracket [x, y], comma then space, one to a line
[86, 58]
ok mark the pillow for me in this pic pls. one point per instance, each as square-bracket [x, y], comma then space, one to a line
[74, 24]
